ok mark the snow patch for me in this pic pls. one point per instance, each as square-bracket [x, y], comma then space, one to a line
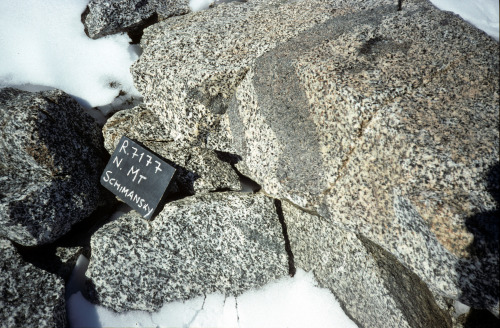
[43, 44]
[460, 308]
[197, 5]
[287, 302]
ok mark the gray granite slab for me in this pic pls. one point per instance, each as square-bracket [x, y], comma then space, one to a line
[51, 158]
[192, 64]
[218, 242]
[373, 287]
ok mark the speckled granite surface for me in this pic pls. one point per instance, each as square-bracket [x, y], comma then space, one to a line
[198, 169]
[191, 65]
[373, 287]
[105, 17]
[378, 108]
[226, 242]
[51, 158]
[30, 297]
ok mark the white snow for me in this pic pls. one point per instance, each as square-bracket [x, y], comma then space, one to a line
[43, 43]
[76, 282]
[460, 308]
[197, 5]
[287, 302]
[484, 14]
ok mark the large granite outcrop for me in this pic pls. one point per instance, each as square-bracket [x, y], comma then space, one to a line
[105, 17]
[374, 288]
[51, 158]
[191, 65]
[30, 297]
[226, 242]
[198, 169]
[386, 122]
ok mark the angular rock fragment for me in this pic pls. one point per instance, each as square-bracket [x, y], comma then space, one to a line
[30, 297]
[373, 287]
[51, 158]
[105, 17]
[198, 169]
[387, 123]
[225, 242]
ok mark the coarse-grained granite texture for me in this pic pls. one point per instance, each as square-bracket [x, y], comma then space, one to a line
[192, 64]
[374, 289]
[226, 242]
[29, 296]
[377, 113]
[198, 169]
[105, 17]
[51, 158]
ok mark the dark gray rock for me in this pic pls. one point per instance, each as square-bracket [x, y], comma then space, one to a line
[51, 158]
[29, 296]
[198, 169]
[385, 122]
[374, 288]
[225, 242]
[105, 17]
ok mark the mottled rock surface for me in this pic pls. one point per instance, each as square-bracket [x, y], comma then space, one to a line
[105, 17]
[226, 242]
[51, 158]
[373, 287]
[386, 122]
[198, 169]
[30, 297]
[191, 65]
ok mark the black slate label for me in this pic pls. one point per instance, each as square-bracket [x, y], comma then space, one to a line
[137, 176]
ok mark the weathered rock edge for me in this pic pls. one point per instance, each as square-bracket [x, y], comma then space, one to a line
[374, 288]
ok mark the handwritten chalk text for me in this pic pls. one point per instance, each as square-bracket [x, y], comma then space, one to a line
[130, 194]
[137, 176]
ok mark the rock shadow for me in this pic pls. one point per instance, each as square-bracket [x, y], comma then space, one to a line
[232, 159]
[479, 275]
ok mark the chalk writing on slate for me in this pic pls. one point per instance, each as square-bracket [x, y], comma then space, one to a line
[137, 176]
